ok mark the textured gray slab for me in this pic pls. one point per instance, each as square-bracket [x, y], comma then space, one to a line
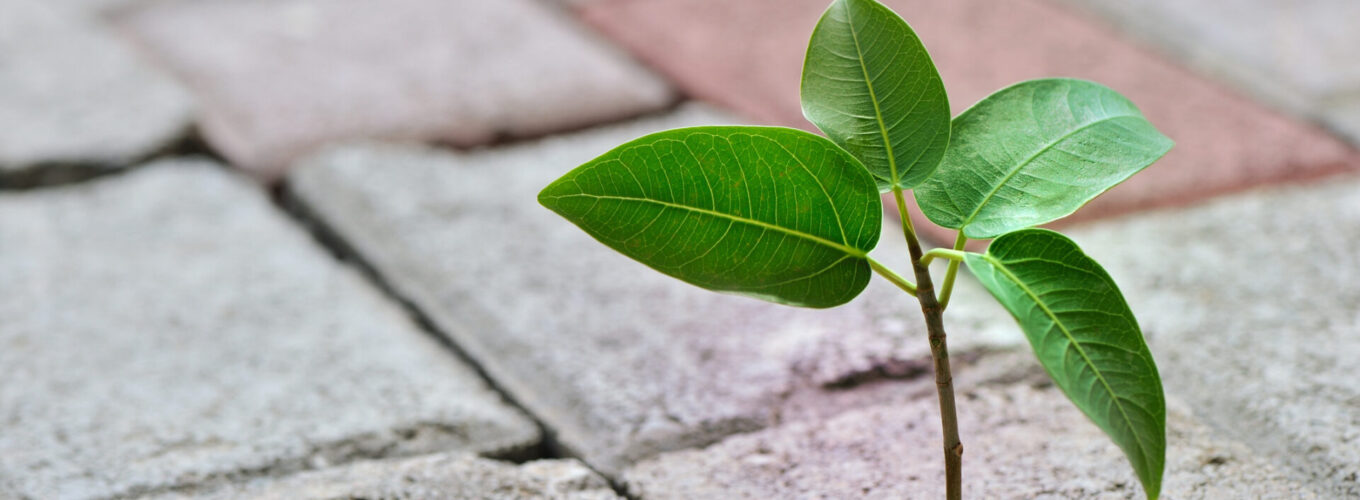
[71, 92]
[620, 360]
[278, 78]
[170, 327]
[434, 477]
[1301, 54]
[1019, 442]
[1252, 306]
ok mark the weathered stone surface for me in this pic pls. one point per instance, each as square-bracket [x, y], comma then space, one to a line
[1019, 442]
[748, 55]
[278, 78]
[1251, 310]
[434, 477]
[1298, 54]
[72, 93]
[621, 361]
[170, 327]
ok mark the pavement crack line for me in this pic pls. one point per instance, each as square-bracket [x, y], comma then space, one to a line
[57, 174]
[549, 447]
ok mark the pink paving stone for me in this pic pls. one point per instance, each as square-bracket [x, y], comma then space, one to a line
[279, 78]
[748, 56]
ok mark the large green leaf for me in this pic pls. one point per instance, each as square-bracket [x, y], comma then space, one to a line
[1085, 336]
[869, 84]
[774, 213]
[1036, 152]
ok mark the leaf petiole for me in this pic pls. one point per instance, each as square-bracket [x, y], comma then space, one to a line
[902, 213]
[954, 255]
[892, 276]
[947, 289]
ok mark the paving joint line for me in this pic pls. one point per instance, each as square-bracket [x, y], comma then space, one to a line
[328, 238]
[506, 139]
[548, 448]
[57, 174]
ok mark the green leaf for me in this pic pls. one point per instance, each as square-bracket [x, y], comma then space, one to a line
[1085, 336]
[1035, 152]
[869, 84]
[774, 213]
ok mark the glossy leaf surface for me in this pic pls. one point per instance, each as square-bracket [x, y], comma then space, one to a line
[1036, 152]
[774, 213]
[1085, 336]
[869, 84]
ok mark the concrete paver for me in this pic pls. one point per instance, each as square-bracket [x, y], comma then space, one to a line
[72, 94]
[170, 327]
[620, 361]
[277, 79]
[1300, 55]
[1019, 442]
[1250, 307]
[748, 56]
[433, 477]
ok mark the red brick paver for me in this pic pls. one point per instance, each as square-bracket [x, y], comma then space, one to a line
[748, 55]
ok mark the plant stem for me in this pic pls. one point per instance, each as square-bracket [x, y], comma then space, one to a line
[947, 289]
[951, 255]
[892, 276]
[939, 351]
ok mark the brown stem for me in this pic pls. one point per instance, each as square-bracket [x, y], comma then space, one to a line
[939, 351]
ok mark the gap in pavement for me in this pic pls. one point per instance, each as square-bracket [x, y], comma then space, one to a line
[505, 139]
[548, 448]
[189, 143]
[328, 239]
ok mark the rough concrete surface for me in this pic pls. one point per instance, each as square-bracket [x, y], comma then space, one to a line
[748, 55]
[1250, 305]
[170, 327]
[72, 92]
[278, 78]
[621, 361]
[433, 477]
[1300, 55]
[1019, 442]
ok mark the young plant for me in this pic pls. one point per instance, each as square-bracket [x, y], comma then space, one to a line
[790, 217]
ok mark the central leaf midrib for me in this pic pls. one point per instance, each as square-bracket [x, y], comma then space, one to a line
[1021, 166]
[1063, 328]
[873, 98]
[854, 252]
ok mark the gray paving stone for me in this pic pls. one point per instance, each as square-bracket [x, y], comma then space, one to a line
[72, 93]
[1250, 305]
[434, 477]
[622, 362]
[278, 78]
[1019, 442]
[1300, 54]
[170, 327]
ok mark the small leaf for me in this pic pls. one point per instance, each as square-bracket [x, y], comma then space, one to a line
[1035, 152]
[774, 213]
[869, 84]
[1085, 336]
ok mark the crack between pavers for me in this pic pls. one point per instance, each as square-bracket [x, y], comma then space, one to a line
[188, 142]
[548, 447]
[330, 240]
[393, 444]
